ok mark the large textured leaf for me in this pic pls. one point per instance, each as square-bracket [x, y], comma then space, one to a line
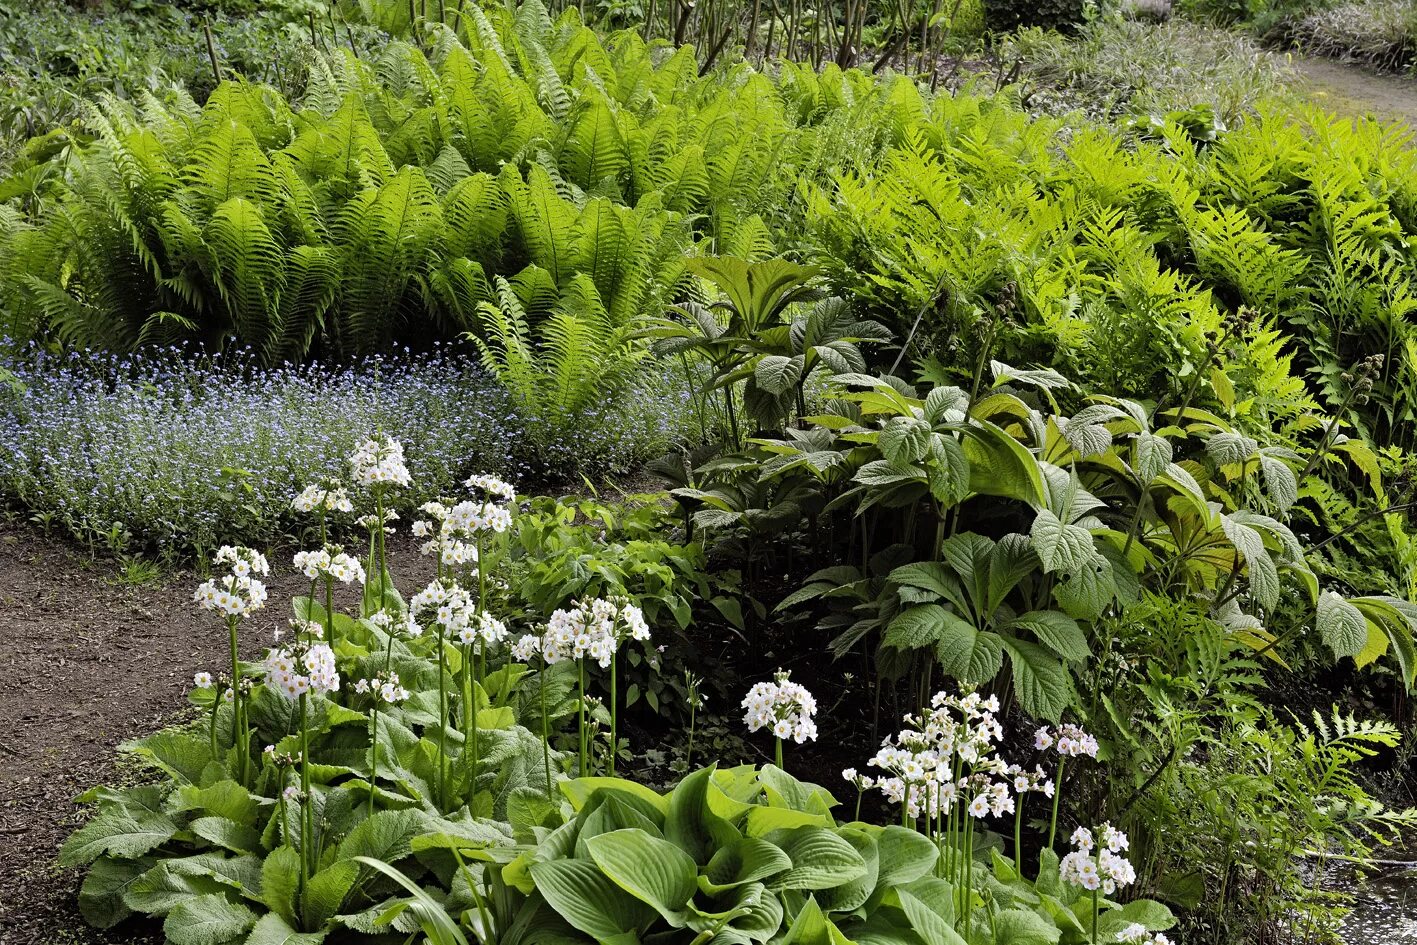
[820, 859]
[652, 870]
[588, 899]
[1040, 679]
[1059, 545]
[206, 920]
[1341, 625]
[1056, 631]
[117, 834]
[273, 930]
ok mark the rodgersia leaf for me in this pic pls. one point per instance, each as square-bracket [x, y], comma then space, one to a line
[1040, 679]
[1341, 625]
[1059, 545]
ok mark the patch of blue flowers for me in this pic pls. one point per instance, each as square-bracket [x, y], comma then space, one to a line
[173, 452]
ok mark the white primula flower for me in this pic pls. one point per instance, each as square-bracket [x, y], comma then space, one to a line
[380, 463]
[202, 680]
[302, 668]
[328, 496]
[783, 706]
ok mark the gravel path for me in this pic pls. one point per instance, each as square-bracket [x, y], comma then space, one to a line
[1351, 89]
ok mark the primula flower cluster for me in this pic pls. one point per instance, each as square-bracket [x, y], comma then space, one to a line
[496, 488]
[380, 462]
[454, 608]
[395, 623]
[783, 706]
[326, 497]
[1069, 740]
[589, 630]
[947, 756]
[383, 686]
[331, 561]
[1096, 866]
[302, 668]
[238, 593]
[1138, 934]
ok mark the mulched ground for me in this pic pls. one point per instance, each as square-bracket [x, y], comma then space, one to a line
[90, 662]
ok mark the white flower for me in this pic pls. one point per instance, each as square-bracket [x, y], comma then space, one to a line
[493, 486]
[303, 668]
[783, 706]
[329, 561]
[380, 463]
[328, 496]
[202, 680]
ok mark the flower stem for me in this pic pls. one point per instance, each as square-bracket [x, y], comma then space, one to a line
[777, 752]
[545, 730]
[238, 735]
[582, 772]
[373, 753]
[615, 716]
[1018, 836]
[442, 720]
[306, 818]
[1057, 796]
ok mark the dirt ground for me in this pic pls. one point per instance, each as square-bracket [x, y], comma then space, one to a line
[90, 662]
[1351, 89]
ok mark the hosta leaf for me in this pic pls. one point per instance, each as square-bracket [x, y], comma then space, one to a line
[929, 924]
[1341, 625]
[1040, 679]
[1059, 545]
[652, 870]
[812, 927]
[1022, 927]
[206, 920]
[820, 859]
[587, 899]
[903, 856]
[749, 860]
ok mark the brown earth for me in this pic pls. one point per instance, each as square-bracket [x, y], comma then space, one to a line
[92, 661]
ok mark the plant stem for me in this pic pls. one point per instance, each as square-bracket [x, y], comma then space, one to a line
[1057, 796]
[442, 720]
[545, 730]
[238, 735]
[1018, 836]
[615, 716]
[306, 818]
[580, 667]
[777, 752]
[373, 753]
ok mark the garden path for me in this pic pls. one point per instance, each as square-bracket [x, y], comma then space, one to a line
[88, 662]
[1348, 88]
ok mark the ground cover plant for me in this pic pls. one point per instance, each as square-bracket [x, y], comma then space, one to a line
[1029, 561]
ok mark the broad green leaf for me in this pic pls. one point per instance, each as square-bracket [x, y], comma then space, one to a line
[968, 654]
[904, 440]
[652, 870]
[820, 859]
[101, 896]
[904, 856]
[1341, 625]
[588, 899]
[930, 925]
[273, 930]
[1040, 680]
[227, 834]
[206, 920]
[749, 860]
[116, 834]
[1057, 631]
[777, 374]
[1060, 546]
[1021, 927]
[280, 881]
[324, 896]
[812, 927]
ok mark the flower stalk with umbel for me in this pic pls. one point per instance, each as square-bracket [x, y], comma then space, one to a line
[384, 689]
[236, 595]
[1097, 865]
[1070, 741]
[300, 670]
[784, 707]
[378, 465]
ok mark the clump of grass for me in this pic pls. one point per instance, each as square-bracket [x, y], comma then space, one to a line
[1378, 33]
[1118, 67]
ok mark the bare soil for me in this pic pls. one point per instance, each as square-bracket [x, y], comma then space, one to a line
[1351, 89]
[90, 662]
